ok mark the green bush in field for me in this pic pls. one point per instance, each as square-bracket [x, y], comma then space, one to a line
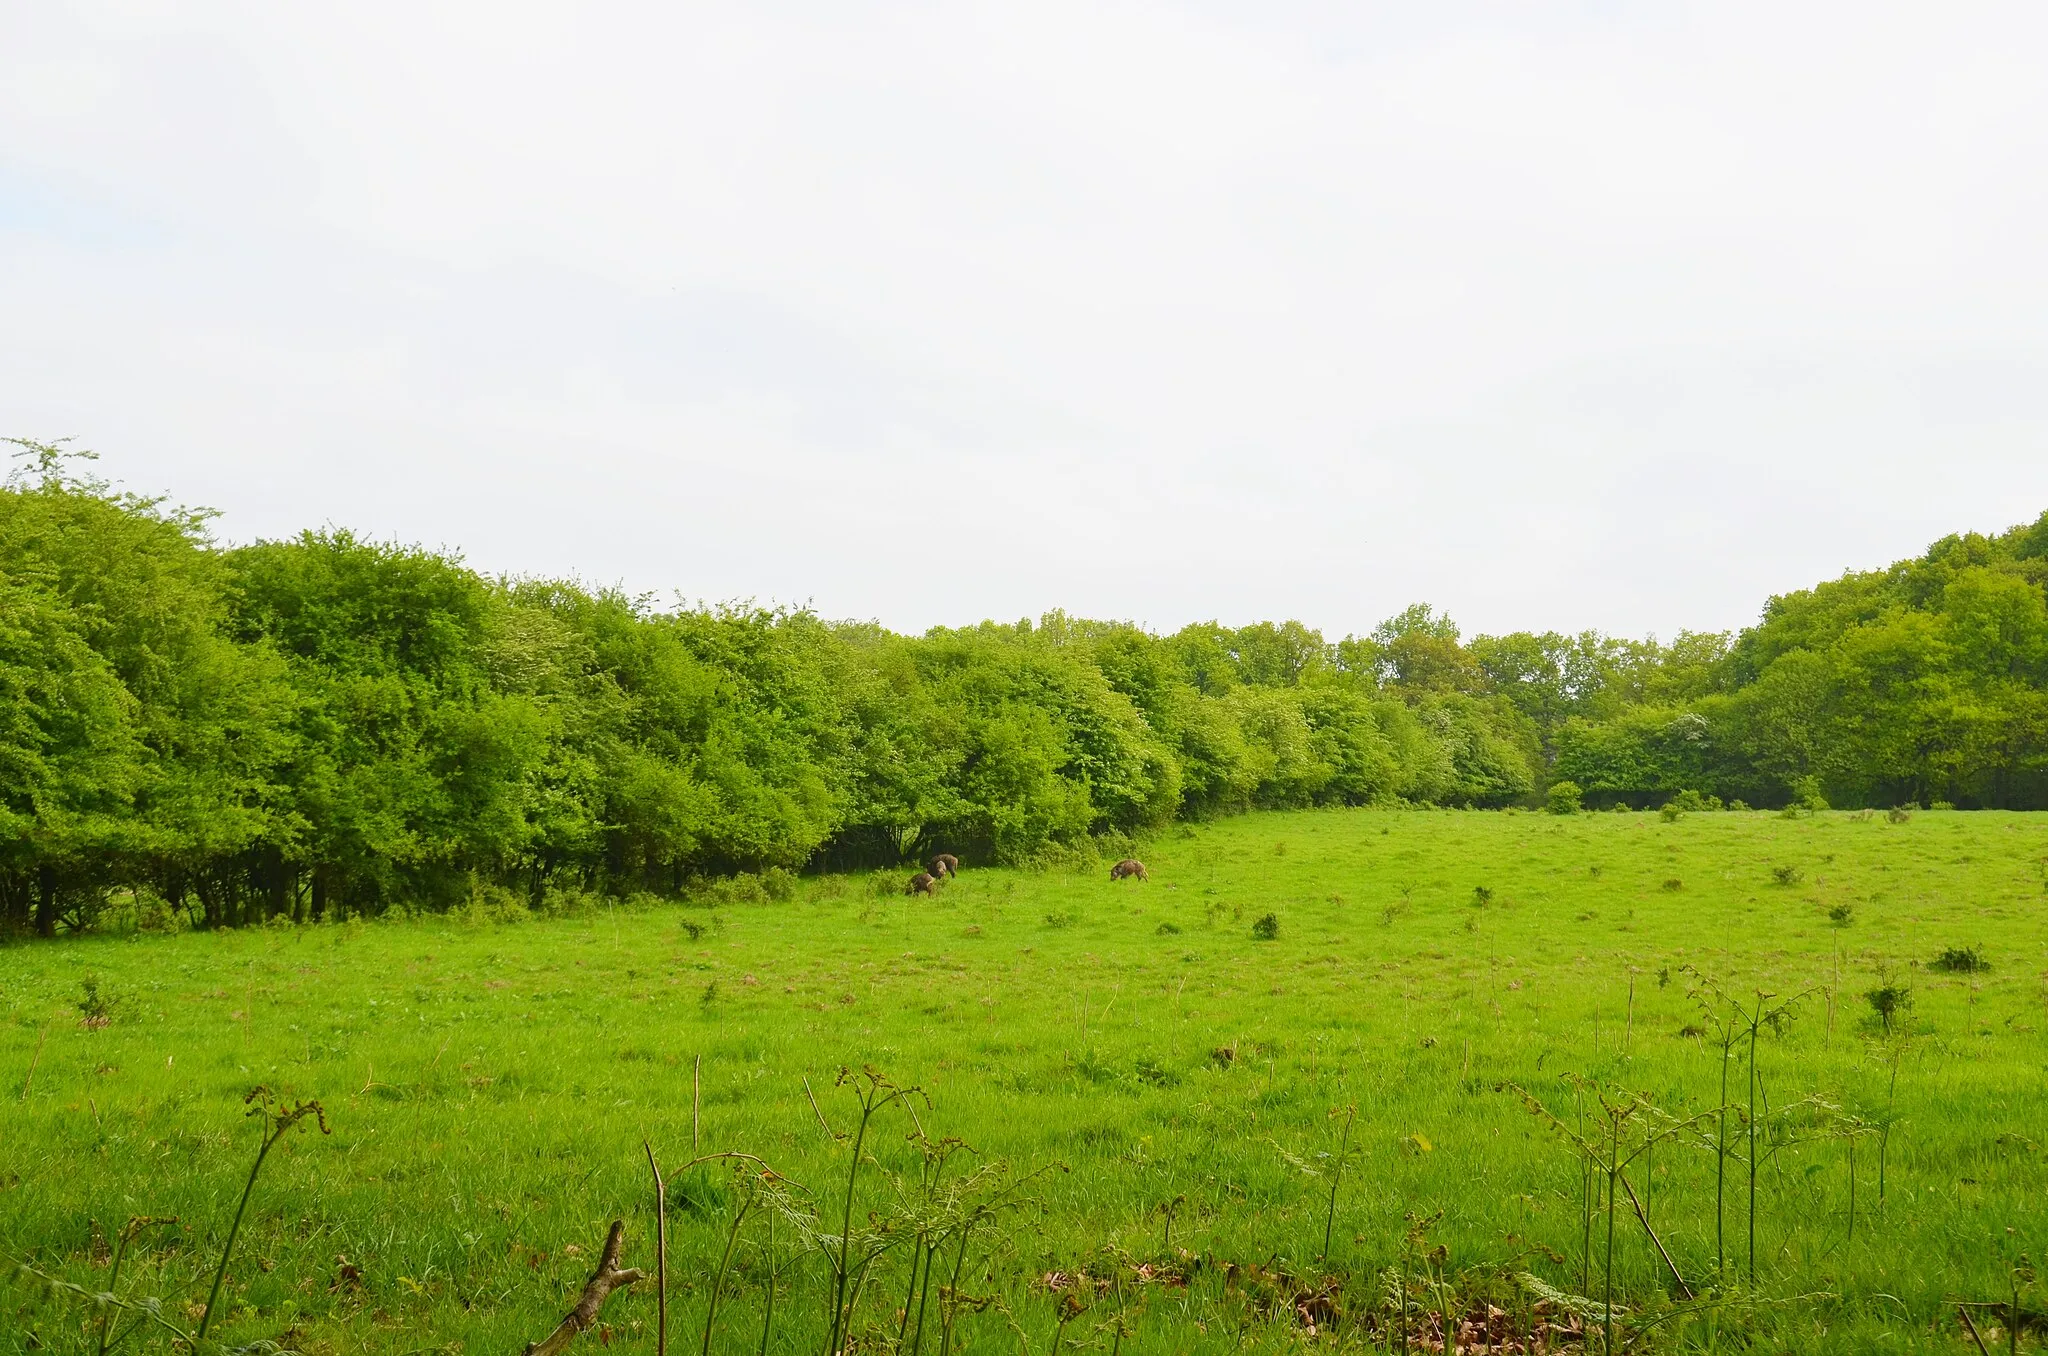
[1960, 960]
[1563, 798]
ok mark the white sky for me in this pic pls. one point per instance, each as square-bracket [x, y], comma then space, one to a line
[1553, 315]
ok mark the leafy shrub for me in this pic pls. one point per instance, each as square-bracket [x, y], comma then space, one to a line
[1899, 814]
[1961, 960]
[1694, 800]
[774, 885]
[1841, 915]
[1267, 929]
[1806, 794]
[1564, 798]
[568, 901]
[1481, 896]
[1738, 804]
[153, 913]
[1787, 875]
[1168, 929]
[1672, 812]
[1062, 919]
[95, 1009]
[1888, 1000]
[1674, 884]
[490, 902]
[1941, 805]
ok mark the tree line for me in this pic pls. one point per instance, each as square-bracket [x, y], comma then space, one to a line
[327, 726]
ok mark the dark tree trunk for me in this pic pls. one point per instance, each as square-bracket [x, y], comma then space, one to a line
[46, 901]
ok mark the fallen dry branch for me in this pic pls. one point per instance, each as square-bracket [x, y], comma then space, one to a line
[583, 1317]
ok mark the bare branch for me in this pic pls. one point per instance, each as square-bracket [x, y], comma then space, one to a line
[606, 1279]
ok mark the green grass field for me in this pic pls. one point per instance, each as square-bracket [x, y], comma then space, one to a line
[489, 1084]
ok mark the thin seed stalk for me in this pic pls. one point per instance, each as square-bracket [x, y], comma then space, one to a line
[1852, 1186]
[1404, 1304]
[113, 1288]
[1585, 1200]
[1721, 1161]
[270, 1137]
[924, 1295]
[1754, 1023]
[1336, 1177]
[1607, 1294]
[949, 1299]
[839, 1315]
[732, 1239]
[910, 1294]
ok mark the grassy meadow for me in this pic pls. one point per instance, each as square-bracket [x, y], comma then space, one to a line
[1146, 1084]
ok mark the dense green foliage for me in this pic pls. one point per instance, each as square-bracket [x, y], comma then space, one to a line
[489, 1081]
[330, 725]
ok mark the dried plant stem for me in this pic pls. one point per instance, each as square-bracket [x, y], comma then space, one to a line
[822, 1123]
[1628, 1030]
[1655, 1241]
[34, 1060]
[1852, 1186]
[696, 1100]
[607, 1278]
[660, 1253]
[1964, 1314]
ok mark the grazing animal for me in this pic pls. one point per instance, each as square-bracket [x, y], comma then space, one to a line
[1129, 868]
[923, 883]
[945, 864]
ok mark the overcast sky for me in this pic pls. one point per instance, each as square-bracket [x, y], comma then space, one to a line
[1554, 315]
